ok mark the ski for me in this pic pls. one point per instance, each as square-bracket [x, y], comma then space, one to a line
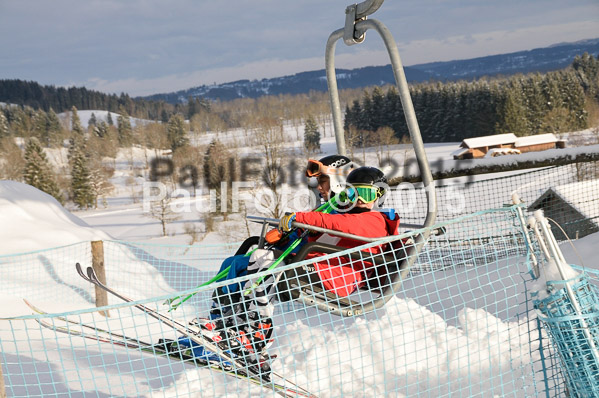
[253, 371]
[159, 349]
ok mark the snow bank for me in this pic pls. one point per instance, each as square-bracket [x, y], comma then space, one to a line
[101, 116]
[408, 346]
[33, 220]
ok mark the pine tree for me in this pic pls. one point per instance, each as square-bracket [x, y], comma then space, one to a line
[574, 100]
[311, 135]
[4, 132]
[92, 121]
[394, 111]
[101, 129]
[124, 129]
[46, 127]
[512, 113]
[81, 185]
[39, 127]
[355, 113]
[587, 70]
[481, 107]
[348, 119]
[38, 172]
[109, 119]
[537, 104]
[378, 116]
[176, 132]
[54, 127]
[76, 127]
[365, 121]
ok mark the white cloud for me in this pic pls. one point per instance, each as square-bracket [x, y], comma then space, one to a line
[366, 54]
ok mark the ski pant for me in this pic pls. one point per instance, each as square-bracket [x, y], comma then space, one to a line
[275, 285]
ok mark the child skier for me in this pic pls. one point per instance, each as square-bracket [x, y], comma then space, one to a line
[330, 173]
[245, 327]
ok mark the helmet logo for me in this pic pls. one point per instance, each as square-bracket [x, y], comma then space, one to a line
[337, 163]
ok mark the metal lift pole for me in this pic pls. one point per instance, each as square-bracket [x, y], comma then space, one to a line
[356, 25]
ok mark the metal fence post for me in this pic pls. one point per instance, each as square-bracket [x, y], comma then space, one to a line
[98, 266]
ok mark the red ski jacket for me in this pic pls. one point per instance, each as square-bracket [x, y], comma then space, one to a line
[339, 275]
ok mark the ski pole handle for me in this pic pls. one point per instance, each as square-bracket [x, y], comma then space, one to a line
[277, 262]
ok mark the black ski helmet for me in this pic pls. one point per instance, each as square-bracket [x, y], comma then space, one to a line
[372, 176]
[342, 166]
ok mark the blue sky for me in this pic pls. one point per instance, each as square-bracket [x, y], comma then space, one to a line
[144, 47]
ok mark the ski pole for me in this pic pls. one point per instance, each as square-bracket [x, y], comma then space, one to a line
[277, 262]
[175, 302]
[216, 278]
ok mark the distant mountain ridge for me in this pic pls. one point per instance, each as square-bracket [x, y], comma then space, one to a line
[557, 56]
[544, 59]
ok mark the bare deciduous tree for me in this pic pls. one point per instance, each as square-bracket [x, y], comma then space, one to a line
[187, 161]
[382, 139]
[161, 210]
[155, 137]
[11, 160]
[269, 137]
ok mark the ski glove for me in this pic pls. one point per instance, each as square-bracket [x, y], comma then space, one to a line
[286, 221]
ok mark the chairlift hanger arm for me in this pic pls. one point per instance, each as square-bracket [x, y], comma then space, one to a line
[367, 7]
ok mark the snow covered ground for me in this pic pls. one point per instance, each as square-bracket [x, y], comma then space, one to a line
[431, 341]
[33, 221]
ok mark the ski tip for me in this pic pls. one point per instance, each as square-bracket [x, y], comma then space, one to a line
[79, 270]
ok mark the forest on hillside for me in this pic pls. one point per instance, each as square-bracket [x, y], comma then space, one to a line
[529, 104]
[554, 102]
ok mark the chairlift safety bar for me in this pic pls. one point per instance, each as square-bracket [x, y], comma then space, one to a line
[275, 222]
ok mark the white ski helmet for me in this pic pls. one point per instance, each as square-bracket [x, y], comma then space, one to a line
[336, 167]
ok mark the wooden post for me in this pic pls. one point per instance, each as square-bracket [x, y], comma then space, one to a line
[98, 266]
[2, 389]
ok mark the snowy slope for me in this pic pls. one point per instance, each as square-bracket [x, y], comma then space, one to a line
[101, 116]
[25, 211]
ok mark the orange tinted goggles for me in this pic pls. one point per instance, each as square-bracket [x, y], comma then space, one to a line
[315, 169]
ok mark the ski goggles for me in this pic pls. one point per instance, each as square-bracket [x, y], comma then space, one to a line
[366, 193]
[315, 169]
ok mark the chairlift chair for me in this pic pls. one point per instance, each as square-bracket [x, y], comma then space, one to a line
[381, 275]
[356, 25]
[392, 266]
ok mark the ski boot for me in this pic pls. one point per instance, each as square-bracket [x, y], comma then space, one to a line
[186, 349]
[249, 347]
